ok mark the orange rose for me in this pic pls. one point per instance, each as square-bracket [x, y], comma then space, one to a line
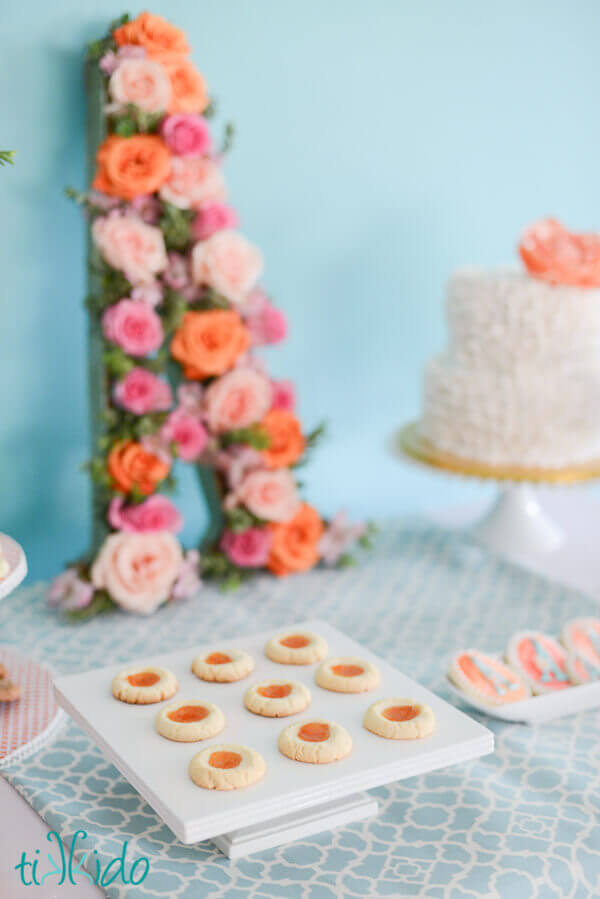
[295, 544]
[554, 254]
[188, 87]
[208, 343]
[129, 166]
[161, 40]
[130, 465]
[286, 440]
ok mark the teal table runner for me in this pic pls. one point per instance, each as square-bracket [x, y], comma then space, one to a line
[524, 822]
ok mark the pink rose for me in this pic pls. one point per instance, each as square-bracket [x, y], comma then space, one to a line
[267, 326]
[228, 263]
[188, 580]
[213, 217]
[131, 246]
[338, 538]
[270, 495]
[138, 570]
[248, 549]
[193, 181]
[143, 82]
[157, 513]
[141, 392]
[177, 274]
[150, 293]
[190, 395]
[186, 134]
[284, 395]
[111, 60]
[134, 326]
[187, 433]
[236, 400]
[69, 591]
[236, 461]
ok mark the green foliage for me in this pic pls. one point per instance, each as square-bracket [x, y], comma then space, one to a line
[101, 602]
[211, 300]
[82, 198]
[133, 120]
[96, 468]
[7, 157]
[211, 110]
[173, 309]
[117, 362]
[110, 285]
[368, 538]
[311, 440]
[176, 226]
[97, 49]
[228, 137]
[346, 560]
[216, 566]
[254, 436]
[240, 519]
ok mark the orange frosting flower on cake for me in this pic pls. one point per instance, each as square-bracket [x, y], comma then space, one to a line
[189, 92]
[129, 166]
[130, 465]
[286, 440]
[554, 254]
[160, 39]
[295, 544]
[208, 343]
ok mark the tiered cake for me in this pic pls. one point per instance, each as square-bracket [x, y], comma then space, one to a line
[520, 382]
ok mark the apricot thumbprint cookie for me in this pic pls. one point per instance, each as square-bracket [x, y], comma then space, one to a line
[223, 665]
[347, 675]
[141, 686]
[296, 648]
[399, 719]
[277, 698]
[227, 766]
[189, 720]
[315, 740]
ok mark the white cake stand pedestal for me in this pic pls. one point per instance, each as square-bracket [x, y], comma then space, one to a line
[516, 524]
[14, 555]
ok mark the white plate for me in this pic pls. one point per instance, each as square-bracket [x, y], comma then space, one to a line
[15, 557]
[158, 768]
[539, 708]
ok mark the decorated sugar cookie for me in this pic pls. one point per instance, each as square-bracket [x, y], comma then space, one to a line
[582, 636]
[346, 674]
[540, 660]
[295, 647]
[399, 719]
[315, 740]
[140, 686]
[226, 766]
[486, 678]
[277, 698]
[189, 720]
[223, 666]
[581, 670]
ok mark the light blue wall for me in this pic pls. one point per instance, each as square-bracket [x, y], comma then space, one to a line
[380, 144]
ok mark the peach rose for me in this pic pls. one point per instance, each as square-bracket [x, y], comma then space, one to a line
[270, 495]
[143, 82]
[238, 399]
[295, 545]
[192, 182]
[228, 263]
[138, 570]
[286, 440]
[159, 38]
[189, 92]
[129, 166]
[554, 254]
[131, 246]
[130, 465]
[208, 343]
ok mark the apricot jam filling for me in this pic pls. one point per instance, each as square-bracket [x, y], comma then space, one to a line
[224, 759]
[186, 714]
[401, 712]
[275, 691]
[314, 732]
[143, 679]
[295, 641]
[217, 658]
[347, 670]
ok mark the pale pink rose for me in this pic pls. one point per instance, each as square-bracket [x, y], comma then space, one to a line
[141, 391]
[190, 395]
[111, 60]
[228, 263]
[188, 580]
[338, 538]
[143, 82]
[267, 326]
[157, 513]
[69, 591]
[248, 549]
[236, 462]
[213, 217]
[150, 293]
[186, 134]
[193, 181]
[131, 246]
[177, 274]
[270, 495]
[187, 432]
[134, 326]
[236, 400]
[138, 570]
[284, 395]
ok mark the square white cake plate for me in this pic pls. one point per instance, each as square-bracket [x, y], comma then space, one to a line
[293, 799]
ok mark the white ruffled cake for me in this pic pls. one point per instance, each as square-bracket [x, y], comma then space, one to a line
[520, 382]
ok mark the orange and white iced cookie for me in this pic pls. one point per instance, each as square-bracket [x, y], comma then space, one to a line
[189, 720]
[223, 666]
[540, 661]
[226, 766]
[296, 648]
[399, 719]
[141, 686]
[582, 636]
[316, 741]
[486, 678]
[346, 674]
[277, 698]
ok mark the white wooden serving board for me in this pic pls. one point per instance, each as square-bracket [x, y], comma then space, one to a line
[158, 768]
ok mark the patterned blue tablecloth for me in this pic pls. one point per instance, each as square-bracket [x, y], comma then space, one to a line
[524, 822]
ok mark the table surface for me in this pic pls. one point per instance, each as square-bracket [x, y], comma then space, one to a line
[417, 568]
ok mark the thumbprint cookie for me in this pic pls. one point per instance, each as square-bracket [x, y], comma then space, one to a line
[227, 766]
[277, 698]
[189, 720]
[316, 741]
[296, 648]
[399, 719]
[346, 674]
[141, 686]
[223, 666]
